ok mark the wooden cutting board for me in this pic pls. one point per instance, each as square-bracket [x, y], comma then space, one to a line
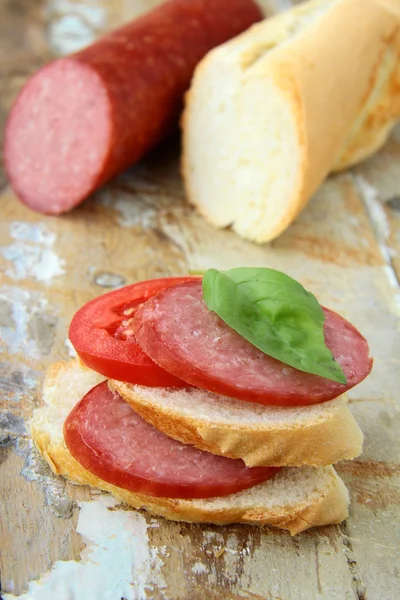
[344, 247]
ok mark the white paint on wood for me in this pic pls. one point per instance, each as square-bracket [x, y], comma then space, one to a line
[74, 25]
[117, 561]
[36, 233]
[141, 212]
[18, 310]
[70, 349]
[31, 254]
[380, 223]
[370, 195]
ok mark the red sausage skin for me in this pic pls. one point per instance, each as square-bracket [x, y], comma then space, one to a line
[81, 120]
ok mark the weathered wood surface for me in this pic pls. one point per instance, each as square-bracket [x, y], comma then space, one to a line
[345, 247]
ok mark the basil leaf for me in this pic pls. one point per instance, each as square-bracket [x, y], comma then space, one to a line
[274, 313]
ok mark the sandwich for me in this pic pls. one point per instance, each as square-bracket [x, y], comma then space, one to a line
[219, 399]
[272, 112]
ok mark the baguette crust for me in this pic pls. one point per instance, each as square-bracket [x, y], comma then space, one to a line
[339, 83]
[322, 436]
[324, 501]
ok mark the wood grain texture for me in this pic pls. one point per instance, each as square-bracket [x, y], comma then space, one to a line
[344, 247]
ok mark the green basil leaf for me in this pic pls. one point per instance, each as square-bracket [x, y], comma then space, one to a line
[274, 313]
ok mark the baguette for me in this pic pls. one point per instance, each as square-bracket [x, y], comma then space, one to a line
[295, 499]
[316, 435]
[272, 112]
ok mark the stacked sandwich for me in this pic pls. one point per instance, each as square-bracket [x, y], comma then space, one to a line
[217, 400]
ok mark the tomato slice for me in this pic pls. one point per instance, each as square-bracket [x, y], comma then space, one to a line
[102, 335]
[106, 436]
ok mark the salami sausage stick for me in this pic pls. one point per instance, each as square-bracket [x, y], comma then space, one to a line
[83, 119]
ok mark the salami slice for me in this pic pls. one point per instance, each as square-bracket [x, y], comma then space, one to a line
[106, 436]
[81, 120]
[180, 334]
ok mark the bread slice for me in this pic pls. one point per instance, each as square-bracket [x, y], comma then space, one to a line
[270, 113]
[295, 499]
[315, 435]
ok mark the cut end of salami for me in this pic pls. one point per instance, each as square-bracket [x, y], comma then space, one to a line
[57, 136]
[180, 334]
[106, 436]
[80, 121]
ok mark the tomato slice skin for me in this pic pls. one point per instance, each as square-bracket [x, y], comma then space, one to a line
[106, 436]
[99, 336]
